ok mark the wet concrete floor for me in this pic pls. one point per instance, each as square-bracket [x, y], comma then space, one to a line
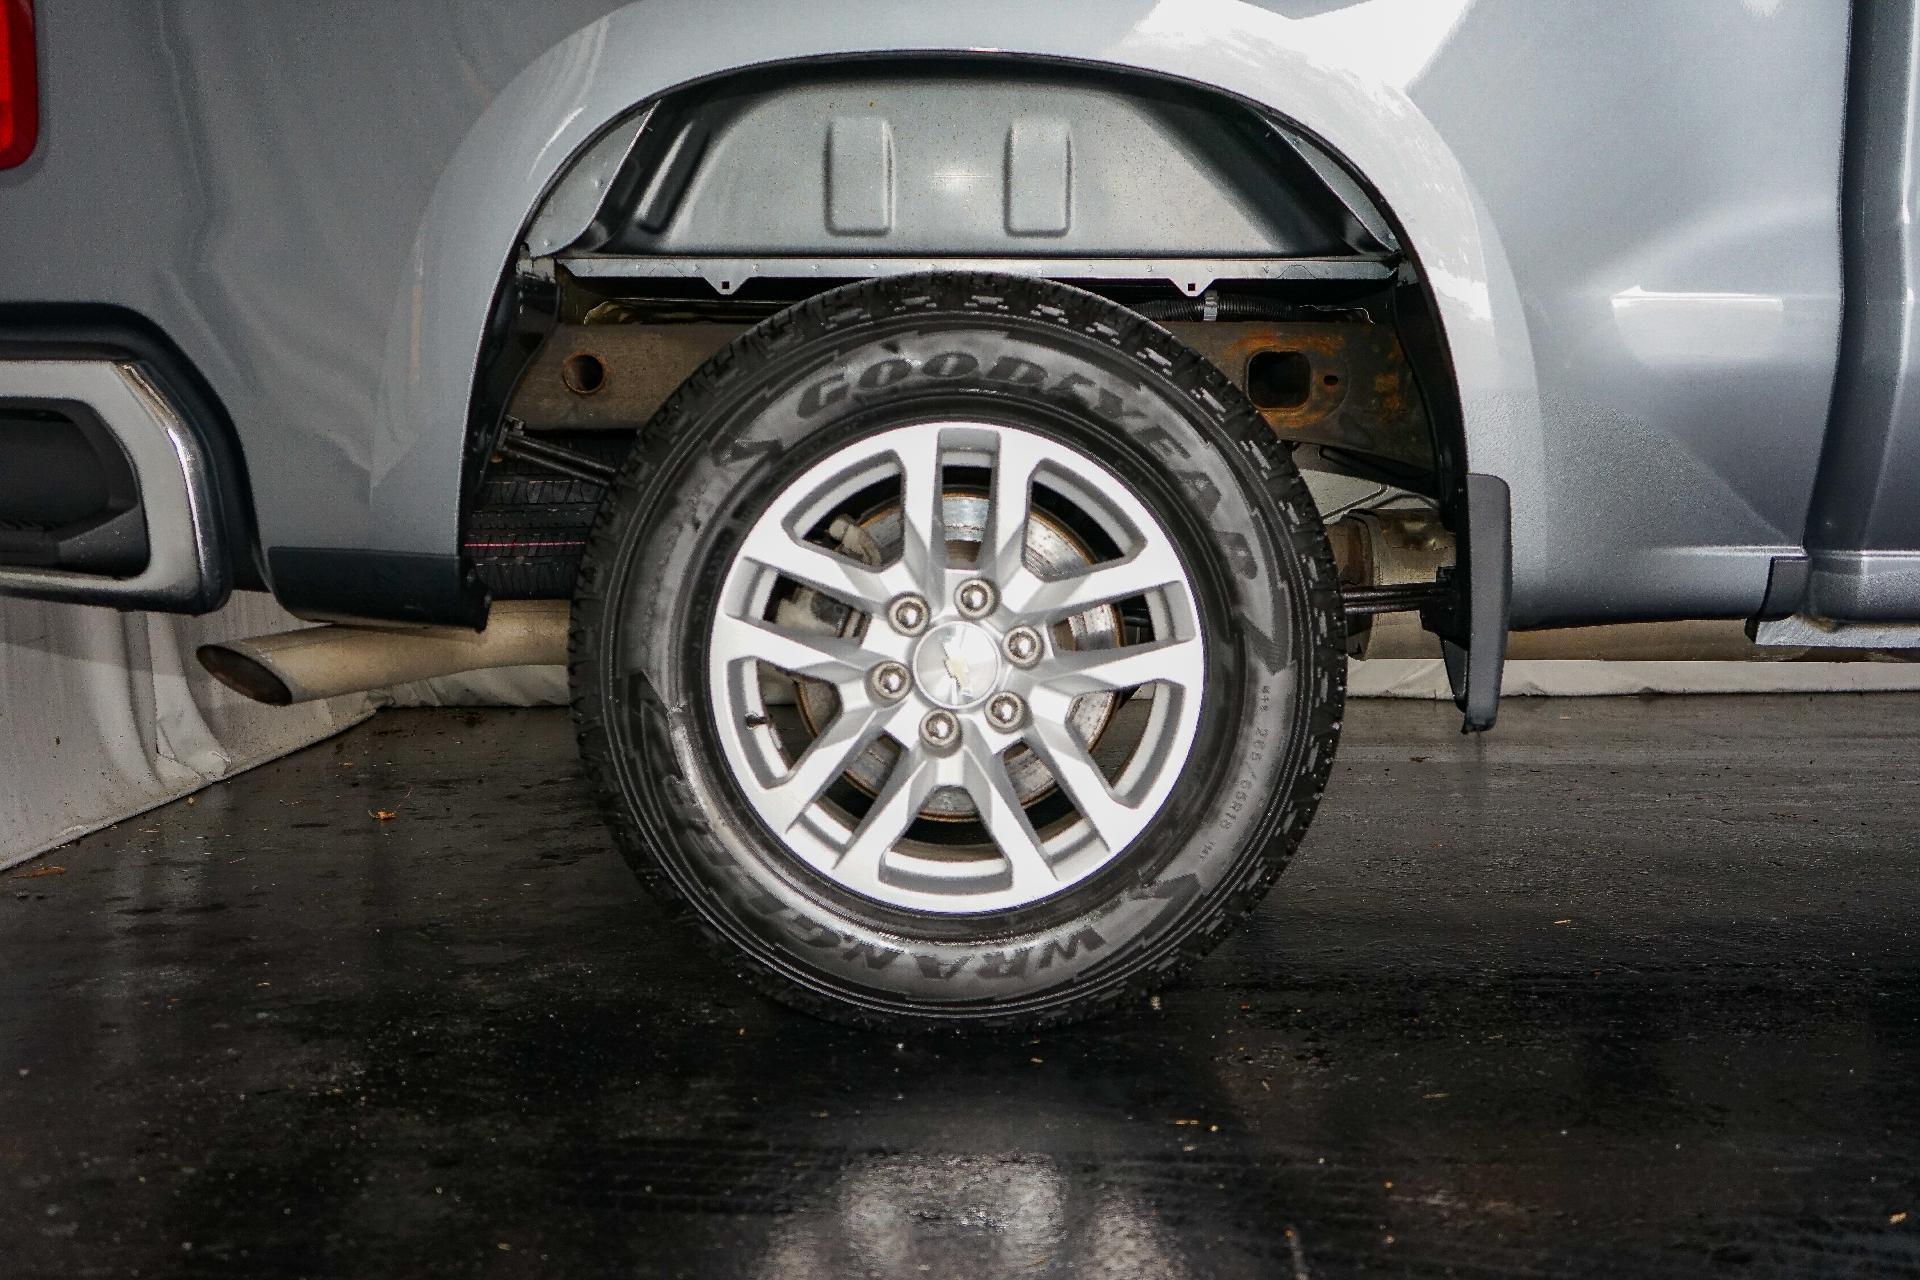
[1629, 987]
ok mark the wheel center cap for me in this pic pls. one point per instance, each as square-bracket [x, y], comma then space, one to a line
[957, 664]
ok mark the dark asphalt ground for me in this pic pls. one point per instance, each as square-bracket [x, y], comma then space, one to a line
[1628, 987]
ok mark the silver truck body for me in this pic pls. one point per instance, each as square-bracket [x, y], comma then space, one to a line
[1629, 217]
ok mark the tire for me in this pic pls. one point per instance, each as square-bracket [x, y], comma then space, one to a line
[1014, 897]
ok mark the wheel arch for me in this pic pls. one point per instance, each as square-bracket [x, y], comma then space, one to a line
[1317, 78]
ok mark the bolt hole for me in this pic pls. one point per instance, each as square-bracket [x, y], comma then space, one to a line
[1331, 380]
[1278, 379]
[584, 373]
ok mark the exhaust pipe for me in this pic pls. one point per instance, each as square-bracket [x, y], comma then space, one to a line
[327, 661]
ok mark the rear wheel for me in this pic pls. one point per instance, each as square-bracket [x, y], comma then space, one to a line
[958, 649]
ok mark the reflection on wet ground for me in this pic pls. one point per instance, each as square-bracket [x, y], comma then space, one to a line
[1627, 987]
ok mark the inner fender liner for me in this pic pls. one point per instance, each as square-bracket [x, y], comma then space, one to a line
[960, 159]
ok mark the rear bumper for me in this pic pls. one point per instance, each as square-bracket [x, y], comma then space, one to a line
[188, 561]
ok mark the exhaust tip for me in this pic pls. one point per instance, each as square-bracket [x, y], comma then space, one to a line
[244, 675]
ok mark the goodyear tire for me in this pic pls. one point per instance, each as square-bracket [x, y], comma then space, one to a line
[958, 650]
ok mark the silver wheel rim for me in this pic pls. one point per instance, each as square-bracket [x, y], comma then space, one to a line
[875, 797]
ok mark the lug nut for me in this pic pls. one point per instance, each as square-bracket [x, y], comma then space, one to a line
[1006, 710]
[891, 681]
[908, 615]
[976, 598]
[1023, 646]
[940, 730]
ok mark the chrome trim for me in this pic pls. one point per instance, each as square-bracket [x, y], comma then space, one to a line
[186, 571]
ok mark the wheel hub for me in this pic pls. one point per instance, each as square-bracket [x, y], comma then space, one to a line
[957, 665]
[1051, 549]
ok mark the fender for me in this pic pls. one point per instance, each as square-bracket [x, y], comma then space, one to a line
[1342, 82]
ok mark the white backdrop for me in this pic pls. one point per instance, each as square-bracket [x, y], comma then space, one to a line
[104, 715]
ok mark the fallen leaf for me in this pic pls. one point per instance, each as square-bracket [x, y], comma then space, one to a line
[1193, 1122]
[1895, 1219]
[388, 815]
[1567, 920]
[1418, 759]
[34, 873]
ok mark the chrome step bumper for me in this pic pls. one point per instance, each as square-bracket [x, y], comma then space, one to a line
[188, 566]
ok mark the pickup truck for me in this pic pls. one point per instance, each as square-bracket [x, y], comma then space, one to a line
[956, 449]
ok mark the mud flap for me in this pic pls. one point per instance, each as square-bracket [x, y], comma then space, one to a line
[1475, 668]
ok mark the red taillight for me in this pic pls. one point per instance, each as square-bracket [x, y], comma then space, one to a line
[19, 87]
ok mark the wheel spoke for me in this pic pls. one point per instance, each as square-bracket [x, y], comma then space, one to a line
[1003, 543]
[1073, 767]
[1075, 672]
[842, 577]
[923, 514]
[979, 672]
[826, 758]
[815, 655]
[913, 779]
[1051, 599]
[987, 781]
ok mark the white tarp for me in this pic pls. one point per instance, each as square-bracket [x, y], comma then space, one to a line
[104, 715]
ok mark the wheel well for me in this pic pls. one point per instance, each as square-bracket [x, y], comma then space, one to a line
[714, 206]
